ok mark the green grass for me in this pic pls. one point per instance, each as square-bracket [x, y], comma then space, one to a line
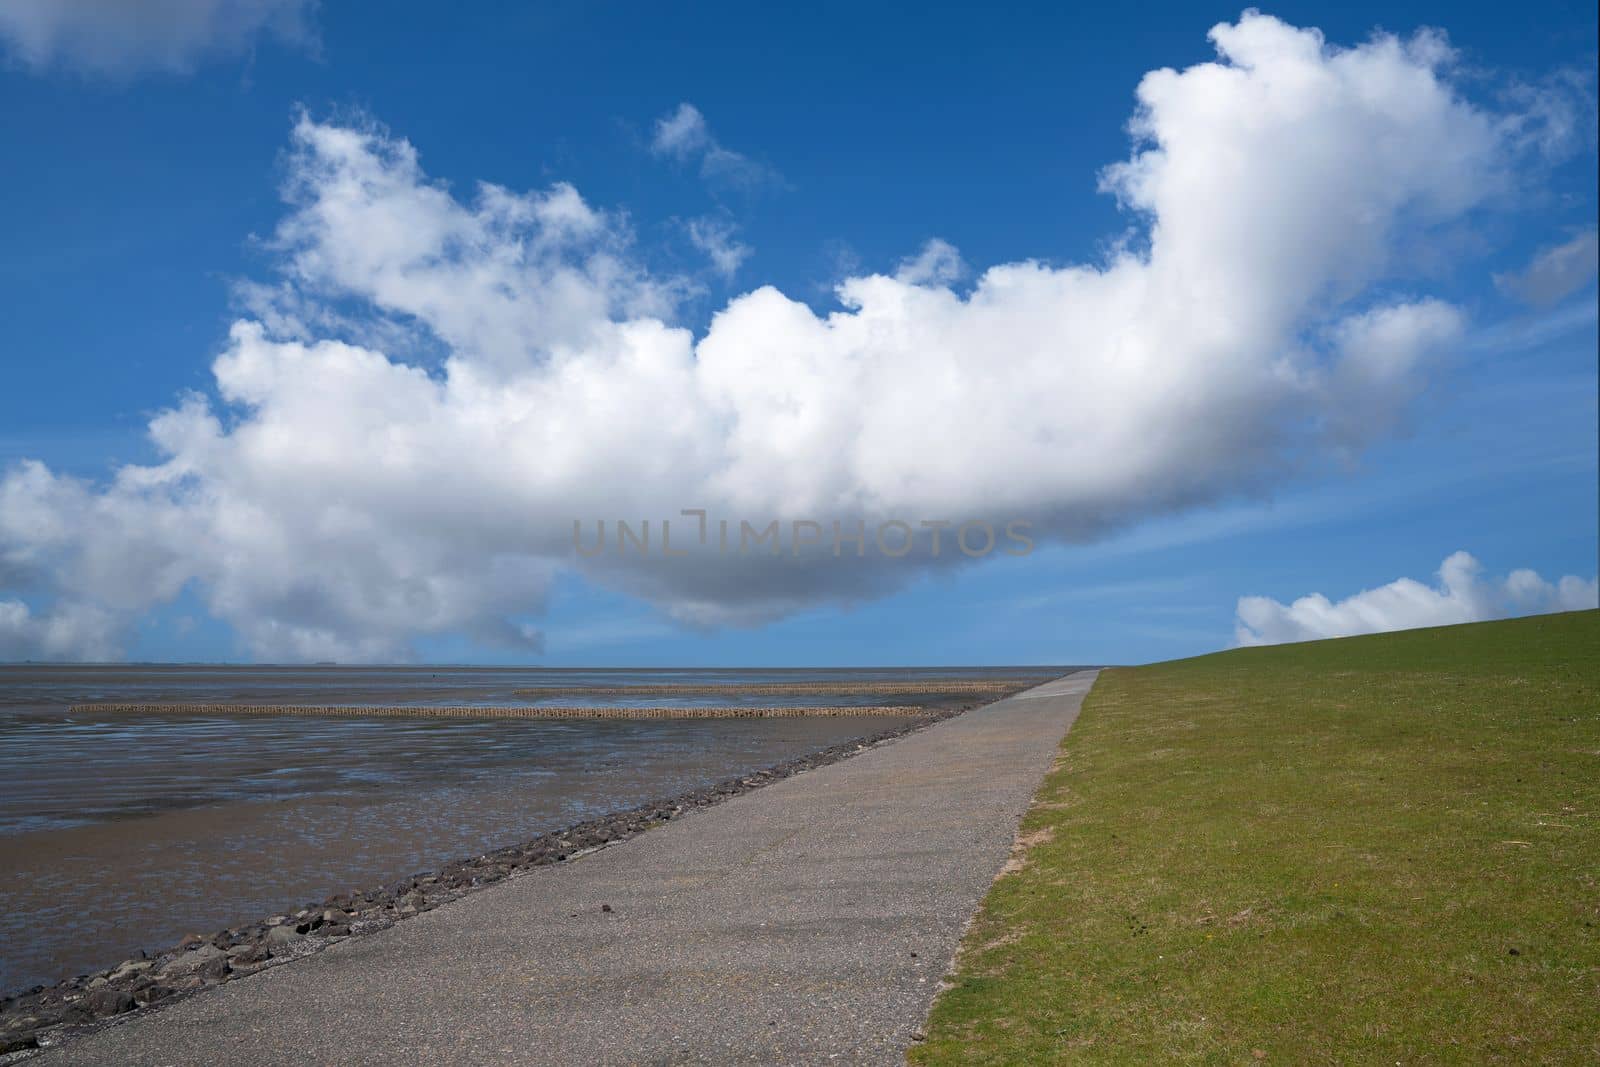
[1376, 850]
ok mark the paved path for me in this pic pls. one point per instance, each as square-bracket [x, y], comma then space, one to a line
[806, 922]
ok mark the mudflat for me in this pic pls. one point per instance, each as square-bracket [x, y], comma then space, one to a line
[125, 834]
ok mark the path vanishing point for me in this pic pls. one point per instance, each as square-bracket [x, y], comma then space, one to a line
[809, 921]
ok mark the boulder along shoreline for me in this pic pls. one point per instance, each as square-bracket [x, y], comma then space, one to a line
[48, 1016]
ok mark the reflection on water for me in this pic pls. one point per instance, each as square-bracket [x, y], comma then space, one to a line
[55, 686]
[69, 770]
[119, 833]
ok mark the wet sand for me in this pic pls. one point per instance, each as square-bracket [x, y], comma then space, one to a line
[58, 686]
[510, 711]
[196, 824]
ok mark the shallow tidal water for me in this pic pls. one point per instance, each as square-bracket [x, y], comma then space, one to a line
[123, 832]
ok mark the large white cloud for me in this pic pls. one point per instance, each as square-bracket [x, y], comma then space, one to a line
[74, 631]
[435, 386]
[124, 37]
[1462, 595]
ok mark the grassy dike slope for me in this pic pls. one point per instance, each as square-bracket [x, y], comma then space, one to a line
[1379, 849]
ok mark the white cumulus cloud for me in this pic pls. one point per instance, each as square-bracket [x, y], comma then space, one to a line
[125, 37]
[436, 384]
[1462, 595]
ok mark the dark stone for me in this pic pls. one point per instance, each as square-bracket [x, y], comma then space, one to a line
[108, 1001]
[17, 1042]
[246, 954]
[207, 961]
[281, 936]
[154, 993]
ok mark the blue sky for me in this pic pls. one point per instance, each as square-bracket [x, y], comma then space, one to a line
[136, 202]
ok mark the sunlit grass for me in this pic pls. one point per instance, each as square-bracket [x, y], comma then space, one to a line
[1376, 850]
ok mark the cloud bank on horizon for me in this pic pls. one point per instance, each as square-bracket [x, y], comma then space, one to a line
[1462, 595]
[435, 386]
